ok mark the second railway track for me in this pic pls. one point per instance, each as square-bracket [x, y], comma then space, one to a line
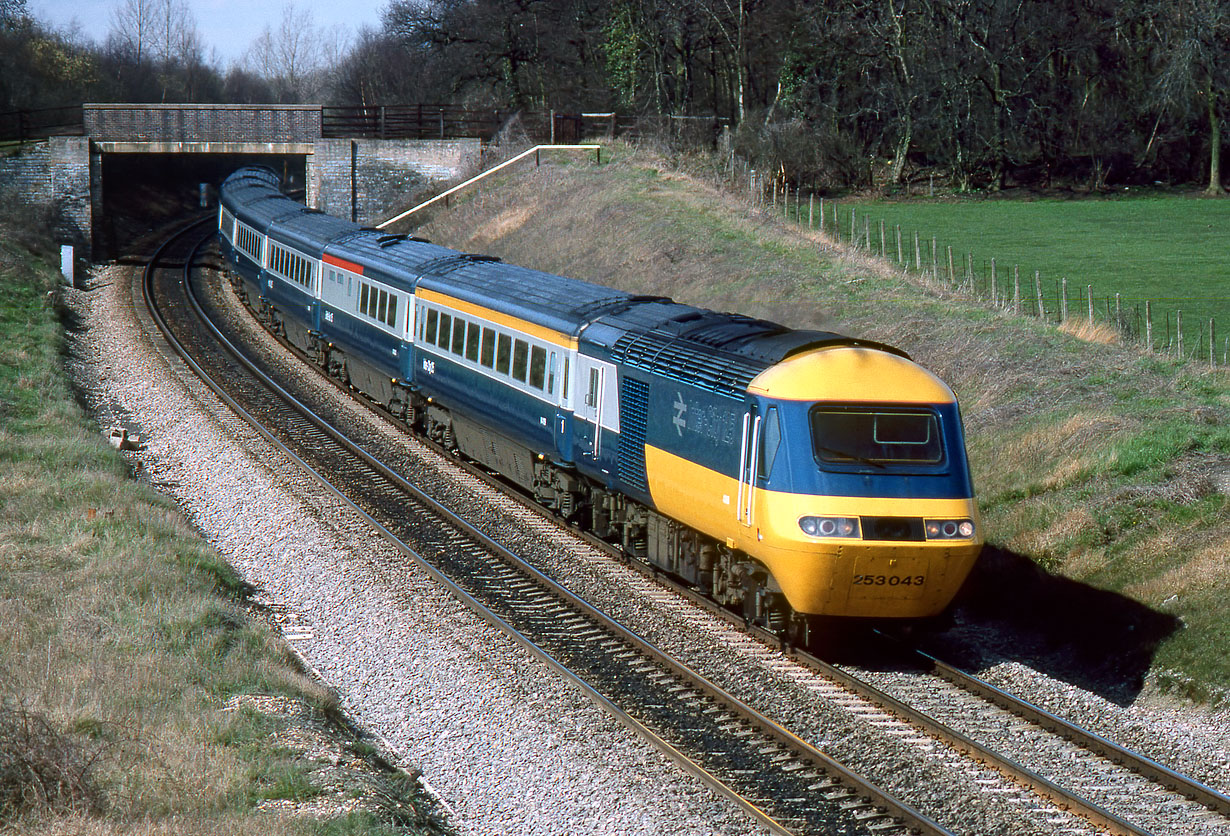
[802, 793]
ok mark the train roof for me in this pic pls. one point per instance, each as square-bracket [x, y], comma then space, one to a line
[309, 230]
[556, 302]
[393, 256]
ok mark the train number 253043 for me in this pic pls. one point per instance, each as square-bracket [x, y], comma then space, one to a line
[889, 580]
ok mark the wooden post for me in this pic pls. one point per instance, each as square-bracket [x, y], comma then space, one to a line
[811, 206]
[853, 229]
[952, 271]
[1089, 292]
[1148, 326]
[1119, 314]
[994, 285]
[898, 243]
[882, 238]
[935, 267]
[867, 233]
[822, 214]
[1016, 288]
[1038, 293]
[1063, 301]
[917, 254]
[1212, 342]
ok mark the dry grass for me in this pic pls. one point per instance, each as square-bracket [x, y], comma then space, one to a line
[1091, 332]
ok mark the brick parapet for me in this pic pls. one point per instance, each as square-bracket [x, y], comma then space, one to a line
[202, 123]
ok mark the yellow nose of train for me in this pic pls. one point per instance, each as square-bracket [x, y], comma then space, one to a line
[853, 488]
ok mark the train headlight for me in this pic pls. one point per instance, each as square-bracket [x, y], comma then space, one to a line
[950, 529]
[829, 526]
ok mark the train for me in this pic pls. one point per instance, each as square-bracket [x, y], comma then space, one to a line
[789, 475]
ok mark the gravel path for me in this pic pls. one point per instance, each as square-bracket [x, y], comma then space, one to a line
[508, 747]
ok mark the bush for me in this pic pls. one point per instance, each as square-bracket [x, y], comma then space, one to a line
[44, 769]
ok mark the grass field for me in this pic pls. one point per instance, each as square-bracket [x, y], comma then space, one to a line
[1171, 250]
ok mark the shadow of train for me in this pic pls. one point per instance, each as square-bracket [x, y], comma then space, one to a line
[1010, 609]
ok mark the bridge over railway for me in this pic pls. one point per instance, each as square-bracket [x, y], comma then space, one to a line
[84, 163]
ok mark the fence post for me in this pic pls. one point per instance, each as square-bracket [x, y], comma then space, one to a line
[1212, 342]
[1089, 292]
[853, 234]
[1038, 293]
[811, 205]
[1016, 288]
[952, 272]
[917, 254]
[882, 244]
[1148, 326]
[1119, 314]
[935, 267]
[867, 233]
[898, 243]
[994, 285]
[1063, 300]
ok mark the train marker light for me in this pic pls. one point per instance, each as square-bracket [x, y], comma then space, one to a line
[829, 526]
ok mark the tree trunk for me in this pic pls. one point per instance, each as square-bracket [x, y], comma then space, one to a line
[903, 148]
[1214, 188]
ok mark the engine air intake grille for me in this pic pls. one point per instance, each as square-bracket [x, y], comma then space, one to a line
[633, 412]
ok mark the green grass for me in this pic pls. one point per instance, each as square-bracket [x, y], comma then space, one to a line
[1171, 250]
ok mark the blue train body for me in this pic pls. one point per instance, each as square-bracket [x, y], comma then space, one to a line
[794, 472]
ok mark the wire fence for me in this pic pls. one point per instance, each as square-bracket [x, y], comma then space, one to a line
[1193, 339]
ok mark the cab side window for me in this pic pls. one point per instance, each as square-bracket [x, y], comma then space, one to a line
[770, 441]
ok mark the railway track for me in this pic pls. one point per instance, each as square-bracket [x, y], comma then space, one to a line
[782, 781]
[779, 778]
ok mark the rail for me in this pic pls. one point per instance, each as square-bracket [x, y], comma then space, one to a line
[536, 151]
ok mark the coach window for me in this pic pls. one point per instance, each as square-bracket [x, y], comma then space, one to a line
[503, 354]
[488, 354]
[551, 374]
[565, 396]
[521, 359]
[363, 291]
[446, 322]
[429, 333]
[538, 367]
[392, 320]
[472, 332]
[459, 336]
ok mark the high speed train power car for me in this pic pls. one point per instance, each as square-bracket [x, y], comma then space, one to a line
[789, 473]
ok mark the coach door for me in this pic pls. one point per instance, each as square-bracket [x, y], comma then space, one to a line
[749, 465]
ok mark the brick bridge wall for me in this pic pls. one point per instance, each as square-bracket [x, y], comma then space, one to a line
[202, 123]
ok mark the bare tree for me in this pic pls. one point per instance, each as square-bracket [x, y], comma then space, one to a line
[132, 27]
[293, 56]
[1195, 66]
